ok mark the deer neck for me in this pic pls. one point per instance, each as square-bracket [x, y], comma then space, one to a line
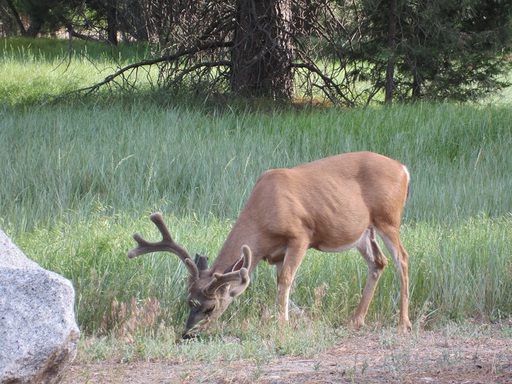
[241, 234]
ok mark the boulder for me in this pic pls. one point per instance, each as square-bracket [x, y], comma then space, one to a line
[38, 332]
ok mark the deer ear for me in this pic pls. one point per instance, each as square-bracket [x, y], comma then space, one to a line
[243, 262]
[201, 262]
[242, 285]
[237, 275]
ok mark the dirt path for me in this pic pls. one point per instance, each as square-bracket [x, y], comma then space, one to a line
[428, 357]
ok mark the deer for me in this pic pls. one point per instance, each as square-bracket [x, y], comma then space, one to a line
[331, 205]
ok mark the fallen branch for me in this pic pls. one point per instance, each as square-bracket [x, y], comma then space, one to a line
[166, 58]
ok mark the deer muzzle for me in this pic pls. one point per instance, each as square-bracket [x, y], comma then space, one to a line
[195, 323]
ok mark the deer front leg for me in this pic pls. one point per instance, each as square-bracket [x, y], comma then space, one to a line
[285, 273]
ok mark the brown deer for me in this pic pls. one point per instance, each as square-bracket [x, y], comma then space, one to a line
[331, 205]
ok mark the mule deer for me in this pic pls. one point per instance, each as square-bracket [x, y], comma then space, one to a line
[331, 205]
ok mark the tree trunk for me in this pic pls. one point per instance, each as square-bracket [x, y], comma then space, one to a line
[36, 23]
[139, 20]
[111, 14]
[16, 16]
[391, 43]
[262, 51]
[34, 28]
[416, 85]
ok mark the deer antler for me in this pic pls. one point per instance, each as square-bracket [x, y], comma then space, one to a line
[167, 244]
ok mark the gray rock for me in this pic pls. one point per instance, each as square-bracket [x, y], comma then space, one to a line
[38, 332]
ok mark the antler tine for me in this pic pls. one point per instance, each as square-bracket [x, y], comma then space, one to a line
[158, 220]
[167, 244]
[241, 276]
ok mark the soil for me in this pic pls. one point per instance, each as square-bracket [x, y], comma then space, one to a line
[363, 357]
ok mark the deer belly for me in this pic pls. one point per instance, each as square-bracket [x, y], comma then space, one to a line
[342, 246]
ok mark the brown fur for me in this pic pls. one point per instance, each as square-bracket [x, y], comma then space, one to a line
[330, 204]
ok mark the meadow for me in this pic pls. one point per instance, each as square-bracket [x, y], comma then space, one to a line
[79, 176]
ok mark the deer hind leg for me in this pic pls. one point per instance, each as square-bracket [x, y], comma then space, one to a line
[286, 270]
[376, 261]
[391, 238]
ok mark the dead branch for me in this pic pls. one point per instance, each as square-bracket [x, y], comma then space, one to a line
[181, 52]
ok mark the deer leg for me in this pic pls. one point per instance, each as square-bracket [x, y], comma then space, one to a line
[286, 270]
[279, 268]
[392, 241]
[376, 261]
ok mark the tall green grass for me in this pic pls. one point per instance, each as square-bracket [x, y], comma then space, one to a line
[36, 71]
[78, 178]
[61, 160]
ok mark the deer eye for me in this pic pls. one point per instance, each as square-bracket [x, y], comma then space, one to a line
[209, 310]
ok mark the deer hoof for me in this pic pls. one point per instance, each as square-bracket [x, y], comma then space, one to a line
[357, 323]
[404, 326]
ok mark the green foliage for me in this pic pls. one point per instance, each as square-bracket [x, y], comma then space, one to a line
[157, 155]
[51, 51]
[440, 50]
[351, 52]
[43, 70]
[75, 190]
[78, 178]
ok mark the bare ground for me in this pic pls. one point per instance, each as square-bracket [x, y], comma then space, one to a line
[364, 357]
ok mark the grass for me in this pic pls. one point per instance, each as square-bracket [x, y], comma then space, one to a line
[36, 71]
[66, 158]
[79, 177]
[77, 189]
[251, 342]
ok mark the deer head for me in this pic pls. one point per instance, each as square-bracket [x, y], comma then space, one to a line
[209, 293]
